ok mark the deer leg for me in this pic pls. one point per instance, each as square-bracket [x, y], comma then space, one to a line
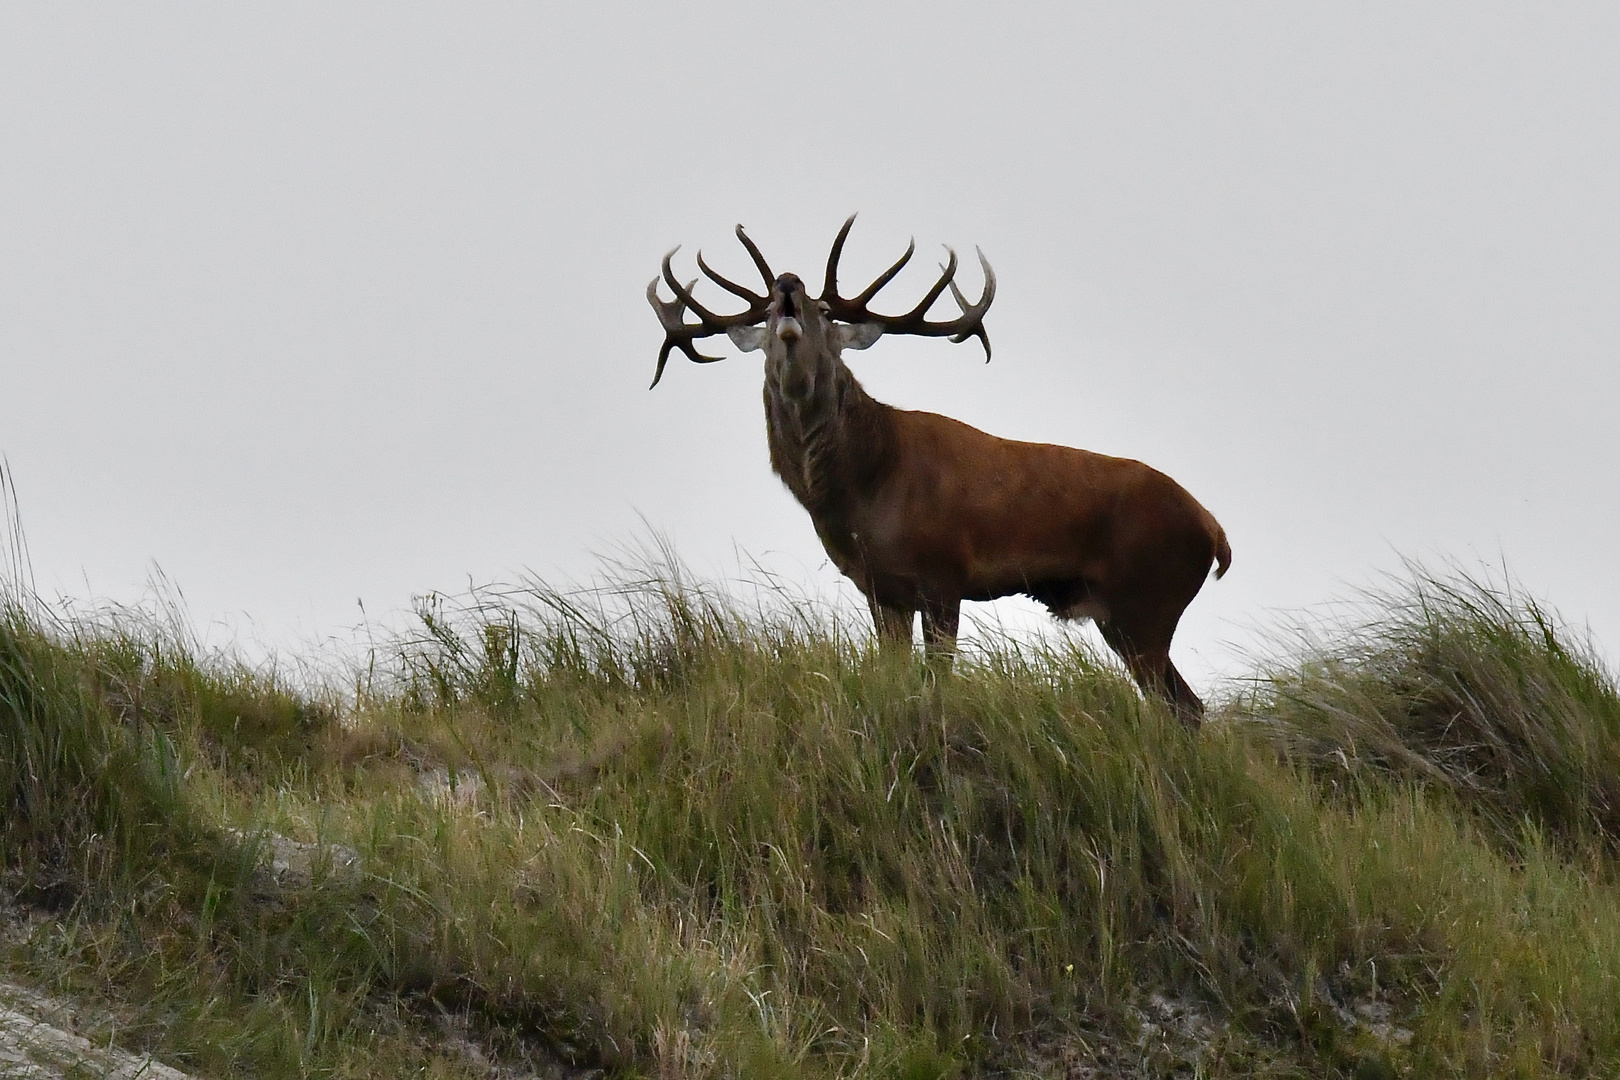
[939, 622]
[1188, 705]
[893, 624]
[1155, 674]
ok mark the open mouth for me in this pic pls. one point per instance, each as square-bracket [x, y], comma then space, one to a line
[787, 316]
[788, 328]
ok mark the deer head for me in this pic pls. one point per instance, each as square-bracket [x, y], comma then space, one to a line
[798, 334]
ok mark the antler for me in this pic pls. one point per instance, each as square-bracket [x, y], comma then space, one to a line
[969, 324]
[678, 333]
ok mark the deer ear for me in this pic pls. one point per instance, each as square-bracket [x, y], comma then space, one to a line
[747, 338]
[858, 335]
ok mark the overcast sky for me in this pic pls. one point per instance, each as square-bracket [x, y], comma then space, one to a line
[309, 304]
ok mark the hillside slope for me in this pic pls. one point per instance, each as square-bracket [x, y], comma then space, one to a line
[652, 833]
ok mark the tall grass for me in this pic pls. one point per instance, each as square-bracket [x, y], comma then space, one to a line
[1464, 685]
[656, 832]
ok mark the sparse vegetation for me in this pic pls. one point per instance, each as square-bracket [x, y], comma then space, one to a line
[654, 832]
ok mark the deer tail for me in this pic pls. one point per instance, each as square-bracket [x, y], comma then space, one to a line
[1223, 550]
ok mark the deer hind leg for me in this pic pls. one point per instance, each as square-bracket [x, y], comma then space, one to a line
[1149, 664]
[1188, 705]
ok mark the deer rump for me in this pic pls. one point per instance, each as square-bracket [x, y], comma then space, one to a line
[923, 512]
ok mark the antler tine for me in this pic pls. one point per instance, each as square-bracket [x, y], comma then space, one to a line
[887, 275]
[977, 329]
[759, 260]
[663, 358]
[669, 311]
[976, 311]
[829, 284]
[685, 296]
[857, 305]
[917, 313]
[731, 287]
[989, 281]
[685, 347]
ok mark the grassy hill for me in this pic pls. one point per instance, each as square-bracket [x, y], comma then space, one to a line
[658, 833]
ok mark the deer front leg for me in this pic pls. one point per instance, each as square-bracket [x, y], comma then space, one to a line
[940, 619]
[893, 624]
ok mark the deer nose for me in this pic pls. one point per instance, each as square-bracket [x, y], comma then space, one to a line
[785, 287]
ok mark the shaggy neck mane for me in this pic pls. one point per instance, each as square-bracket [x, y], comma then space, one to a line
[830, 445]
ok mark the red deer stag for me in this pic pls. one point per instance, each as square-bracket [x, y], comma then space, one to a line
[923, 512]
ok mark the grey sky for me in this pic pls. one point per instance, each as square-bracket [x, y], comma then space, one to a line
[309, 303]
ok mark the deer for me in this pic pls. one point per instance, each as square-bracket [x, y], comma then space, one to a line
[922, 512]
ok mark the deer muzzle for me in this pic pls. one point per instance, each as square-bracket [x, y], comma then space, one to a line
[787, 312]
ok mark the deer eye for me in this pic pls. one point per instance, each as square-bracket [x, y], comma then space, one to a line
[825, 307]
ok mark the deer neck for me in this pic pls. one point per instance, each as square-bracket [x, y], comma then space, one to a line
[831, 442]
